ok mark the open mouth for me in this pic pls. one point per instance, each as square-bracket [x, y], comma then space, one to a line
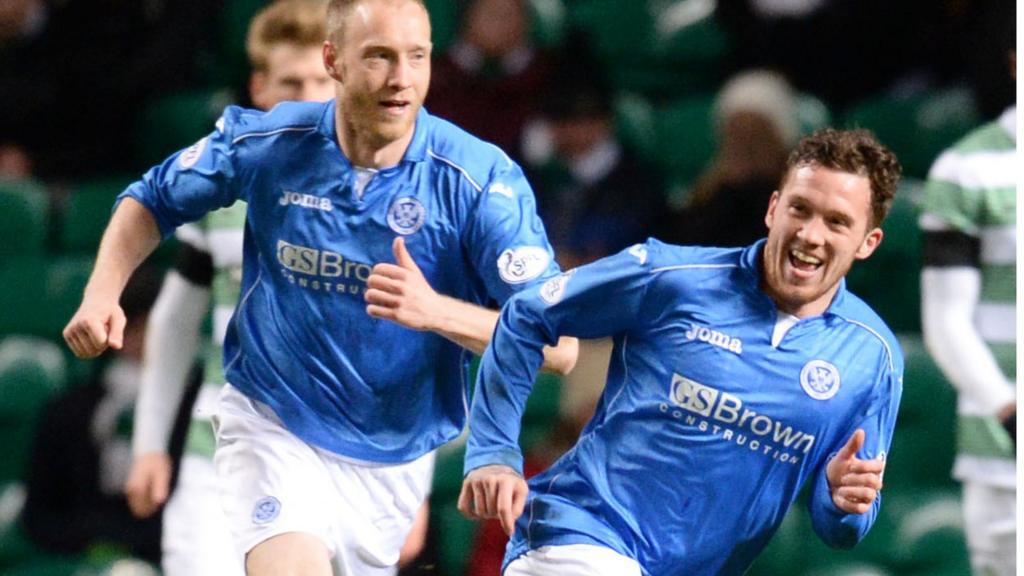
[803, 263]
[395, 106]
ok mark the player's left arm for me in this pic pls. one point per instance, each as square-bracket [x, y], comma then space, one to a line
[846, 496]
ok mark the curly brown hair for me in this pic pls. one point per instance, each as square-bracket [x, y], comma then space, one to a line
[856, 152]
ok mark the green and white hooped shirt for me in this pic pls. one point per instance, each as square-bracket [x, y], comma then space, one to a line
[972, 190]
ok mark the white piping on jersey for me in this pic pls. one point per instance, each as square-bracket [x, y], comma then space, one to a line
[241, 303]
[888, 351]
[462, 378]
[625, 370]
[457, 167]
[272, 132]
[696, 266]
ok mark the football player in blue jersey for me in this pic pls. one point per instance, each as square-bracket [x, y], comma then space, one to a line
[737, 375]
[344, 372]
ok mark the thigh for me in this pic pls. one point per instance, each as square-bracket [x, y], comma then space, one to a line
[378, 505]
[573, 560]
[991, 528]
[196, 538]
[270, 482]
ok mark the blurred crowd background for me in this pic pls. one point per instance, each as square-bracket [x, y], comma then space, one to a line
[632, 118]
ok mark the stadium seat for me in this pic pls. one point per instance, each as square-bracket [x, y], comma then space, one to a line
[41, 294]
[917, 128]
[685, 137]
[232, 63]
[24, 218]
[929, 535]
[661, 48]
[172, 122]
[87, 211]
[31, 372]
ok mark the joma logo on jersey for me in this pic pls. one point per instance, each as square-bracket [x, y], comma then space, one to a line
[724, 408]
[319, 262]
[705, 334]
[306, 201]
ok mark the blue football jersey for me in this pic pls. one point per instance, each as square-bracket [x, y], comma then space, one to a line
[706, 430]
[300, 339]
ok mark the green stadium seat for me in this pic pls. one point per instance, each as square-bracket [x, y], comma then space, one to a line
[685, 137]
[549, 21]
[24, 218]
[31, 372]
[178, 120]
[918, 128]
[41, 294]
[661, 48]
[87, 211]
[232, 61]
[890, 280]
[929, 535]
[850, 569]
[444, 23]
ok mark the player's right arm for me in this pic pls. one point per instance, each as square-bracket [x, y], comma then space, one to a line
[99, 322]
[183, 188]
[172, 341]
[593, 301]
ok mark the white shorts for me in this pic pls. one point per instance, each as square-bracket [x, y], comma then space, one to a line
[573, 560]
[272, 482]
[196, 540]
[990, 523]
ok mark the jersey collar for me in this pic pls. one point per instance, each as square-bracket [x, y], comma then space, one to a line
[417, 150]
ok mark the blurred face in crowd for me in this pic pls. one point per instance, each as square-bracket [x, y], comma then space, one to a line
[818, 224]
[293, 73]
[496, 26]
[382, 66]
[752, 148]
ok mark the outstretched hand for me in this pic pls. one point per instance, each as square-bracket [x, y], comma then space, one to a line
[854, 483]
[96, 326]
[494, 491]
[400, 293]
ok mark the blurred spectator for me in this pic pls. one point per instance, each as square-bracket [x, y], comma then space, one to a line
[492, 78]
[595, 196]
[15, 163]
[968, 305]
[756, 124]
[73, 75]
[839, 50]
[82, 451]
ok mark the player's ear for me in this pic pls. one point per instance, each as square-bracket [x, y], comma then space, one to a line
[769, 216]
[330, 52]
[870, 243]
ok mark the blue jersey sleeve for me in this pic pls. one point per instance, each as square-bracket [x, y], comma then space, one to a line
[593, 301]
[835, 527]
[505, 238]
[191, 182]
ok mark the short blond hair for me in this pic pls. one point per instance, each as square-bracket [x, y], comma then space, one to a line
[337, 12]
[296, 22]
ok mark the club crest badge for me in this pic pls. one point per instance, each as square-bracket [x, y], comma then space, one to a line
[192, 154]
[406, 215]
[266, 510]
[820, 379]
[553, 290]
